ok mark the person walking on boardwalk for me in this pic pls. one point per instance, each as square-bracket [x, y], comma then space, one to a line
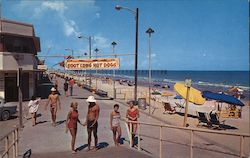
[66, 87]
[132, 115]
[91, 120]
[71, 85]
[115, 124]
[71, 124]
[54, 101]
[33, 108]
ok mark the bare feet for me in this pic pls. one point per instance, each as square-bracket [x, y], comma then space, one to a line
[73, 152]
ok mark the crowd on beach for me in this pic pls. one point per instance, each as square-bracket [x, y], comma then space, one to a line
[92, 115]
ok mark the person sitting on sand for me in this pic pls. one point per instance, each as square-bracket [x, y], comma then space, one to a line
[71, 124]
[132, 115]
[115, 124]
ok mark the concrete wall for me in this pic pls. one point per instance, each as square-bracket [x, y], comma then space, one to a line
[11, 61]
[18, 28]
[1, 85]
[1, 61]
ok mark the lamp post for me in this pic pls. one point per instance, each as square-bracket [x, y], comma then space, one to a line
[71, 50]
[114, 91]
[85, 73]
[149, 31]
[89, 39]
[136, 12]
[188, 83]
[96, 52]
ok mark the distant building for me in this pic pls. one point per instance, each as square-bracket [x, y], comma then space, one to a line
[18, 49]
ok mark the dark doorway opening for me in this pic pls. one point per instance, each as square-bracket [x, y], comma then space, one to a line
[10, 89]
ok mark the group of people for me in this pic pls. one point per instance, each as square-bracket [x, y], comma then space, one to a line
[91, 117]
[68, 85]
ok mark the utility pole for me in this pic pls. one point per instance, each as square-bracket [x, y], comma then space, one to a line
[20, 96]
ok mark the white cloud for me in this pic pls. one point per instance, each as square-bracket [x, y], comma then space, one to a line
[98, 15]
[101, 42]
[70, 27]
[153, 55]
[54, 5]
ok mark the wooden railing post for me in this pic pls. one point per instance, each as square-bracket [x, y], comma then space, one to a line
[191, 143]
[17, 141]
[241, 146]
[7, 146]
[139, 137]
[130, 132]
[160, 141]
[14, 144]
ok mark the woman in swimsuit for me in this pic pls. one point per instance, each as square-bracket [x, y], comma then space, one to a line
[71, 124]
[132, 115]
[115, 124]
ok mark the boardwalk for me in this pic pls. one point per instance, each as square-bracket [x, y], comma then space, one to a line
[45, 140]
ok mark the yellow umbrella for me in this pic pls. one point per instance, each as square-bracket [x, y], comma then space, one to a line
[166, 94]
[194, 94]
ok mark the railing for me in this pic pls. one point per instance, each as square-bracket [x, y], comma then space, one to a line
[11, 141]
[191, 145]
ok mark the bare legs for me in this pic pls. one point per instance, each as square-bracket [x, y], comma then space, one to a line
[73, 132]
[53, 115]
[94, 129]
[134, 128]
[119, 131]
[33, 119]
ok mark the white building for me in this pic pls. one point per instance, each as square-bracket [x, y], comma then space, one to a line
[18, 49]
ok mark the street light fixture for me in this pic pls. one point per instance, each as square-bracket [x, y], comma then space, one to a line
[89, 38]
[114, 91]
[149, 31]
[71, 50]
[117, 7]
[96, 51]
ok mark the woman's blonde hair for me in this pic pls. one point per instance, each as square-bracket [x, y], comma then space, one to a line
[73, 104]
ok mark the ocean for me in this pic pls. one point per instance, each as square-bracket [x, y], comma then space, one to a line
[205, 80]
[215, 81]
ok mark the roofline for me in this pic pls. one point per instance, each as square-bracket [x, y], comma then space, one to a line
[16, 22]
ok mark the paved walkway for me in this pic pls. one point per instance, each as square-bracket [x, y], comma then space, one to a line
[45, 140]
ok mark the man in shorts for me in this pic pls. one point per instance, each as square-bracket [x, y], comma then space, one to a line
[54, 101]
[91, 120]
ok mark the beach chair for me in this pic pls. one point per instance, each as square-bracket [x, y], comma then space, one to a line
[179, 105]
[215, 122]
[168, 108]
[203, 119]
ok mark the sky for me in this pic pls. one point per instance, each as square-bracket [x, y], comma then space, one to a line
[189, 34]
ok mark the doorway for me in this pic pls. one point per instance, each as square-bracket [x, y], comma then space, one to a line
[10, 89]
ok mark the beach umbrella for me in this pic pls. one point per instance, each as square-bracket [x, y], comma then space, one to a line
[194, 94]
[235, 90]
[178, 97]
[166, 94]
[190, 94]
[222, 98]
[156, 93]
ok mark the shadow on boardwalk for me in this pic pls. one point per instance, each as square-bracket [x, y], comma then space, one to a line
[110, 152]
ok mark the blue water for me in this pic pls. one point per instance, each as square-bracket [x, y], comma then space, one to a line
[210, 78]
[203, 80]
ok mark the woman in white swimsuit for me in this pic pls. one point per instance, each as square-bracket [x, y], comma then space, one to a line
[115, 118]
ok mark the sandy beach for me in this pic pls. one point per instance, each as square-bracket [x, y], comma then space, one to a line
[125, 93]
